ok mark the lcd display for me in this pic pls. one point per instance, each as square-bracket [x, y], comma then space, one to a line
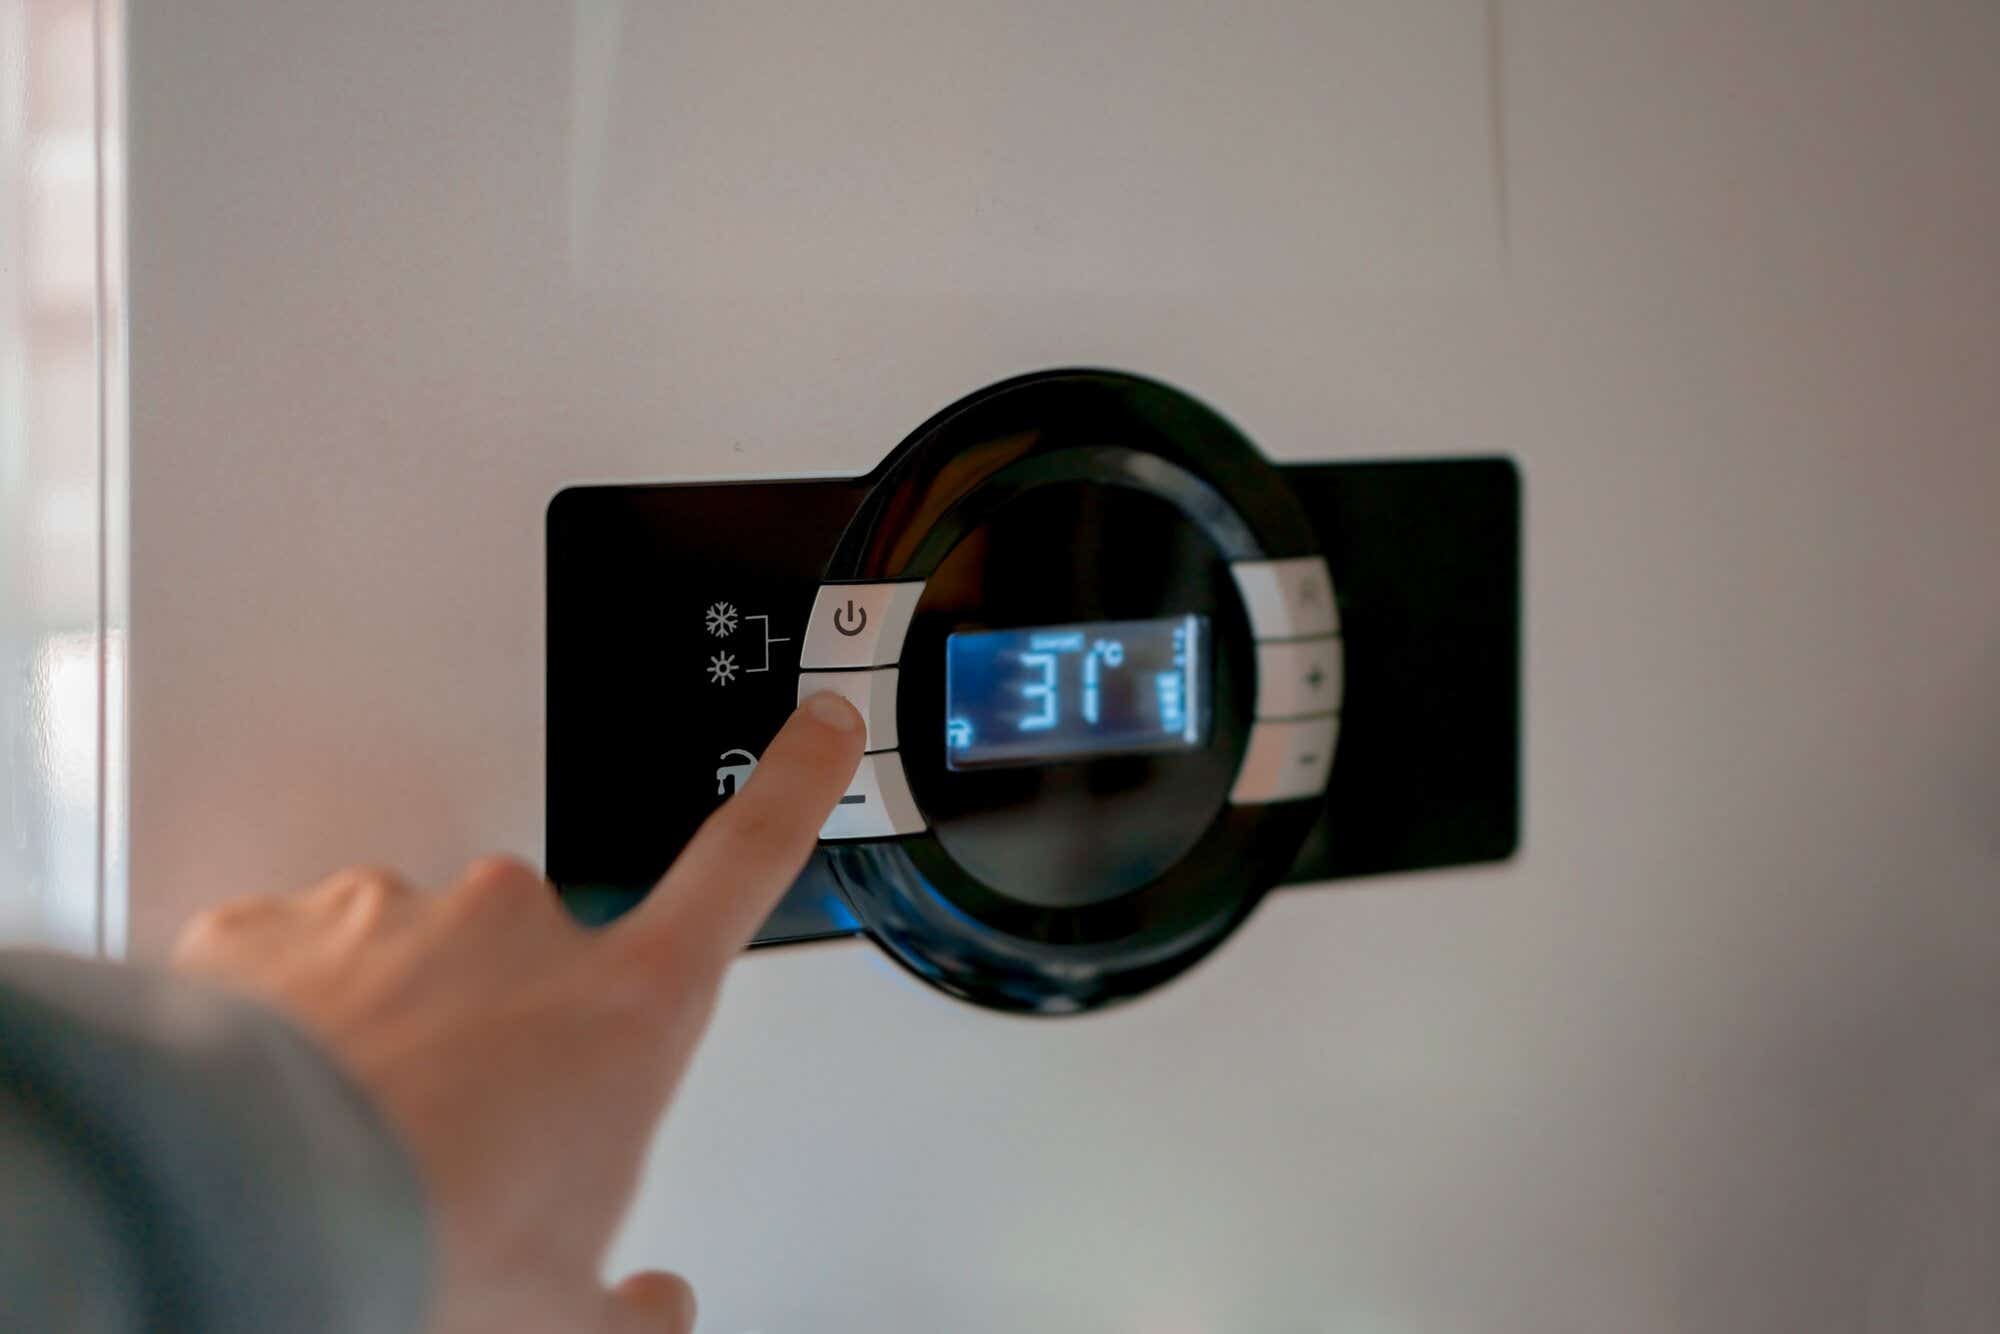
[1056, 692]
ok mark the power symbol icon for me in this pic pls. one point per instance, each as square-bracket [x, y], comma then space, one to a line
[850, 620]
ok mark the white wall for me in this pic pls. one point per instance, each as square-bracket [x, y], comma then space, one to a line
[1714, 1053]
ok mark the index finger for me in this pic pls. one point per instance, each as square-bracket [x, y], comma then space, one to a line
[744, 858]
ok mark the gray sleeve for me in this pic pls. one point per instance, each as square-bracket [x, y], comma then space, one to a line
[174, 1159]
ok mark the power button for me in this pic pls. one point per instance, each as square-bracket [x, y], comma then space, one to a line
[859, 625]
[849, 619]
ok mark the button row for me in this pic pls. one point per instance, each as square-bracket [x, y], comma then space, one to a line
[872, 693]
[859, 625]
[857, 631]
[1298, 677]
[1287, 599]
[1286, 761]
[878, 803]
[1296, 622]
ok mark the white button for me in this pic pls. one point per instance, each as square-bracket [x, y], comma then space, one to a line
[859, 625]
[872, 693]
[1287, 599]
[1285, 761]
[1298, 677]
[878, 803]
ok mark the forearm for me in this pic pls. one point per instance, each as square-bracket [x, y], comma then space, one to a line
[177, 1159]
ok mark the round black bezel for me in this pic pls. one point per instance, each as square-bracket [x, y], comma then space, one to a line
[998, 449]
[1076, 850]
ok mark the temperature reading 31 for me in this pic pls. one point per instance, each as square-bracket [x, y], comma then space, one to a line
[1048, 693]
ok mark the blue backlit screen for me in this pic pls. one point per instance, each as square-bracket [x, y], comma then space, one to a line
[1056, 692]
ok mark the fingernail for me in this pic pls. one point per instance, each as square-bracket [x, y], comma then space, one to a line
[834, 711]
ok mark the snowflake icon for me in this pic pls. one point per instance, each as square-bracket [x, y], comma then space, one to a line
[722, 668]
[721, 620]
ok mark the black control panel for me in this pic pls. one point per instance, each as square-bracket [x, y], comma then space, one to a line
[1121, 676]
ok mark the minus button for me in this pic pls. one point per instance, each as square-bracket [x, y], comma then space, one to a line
[877, 803]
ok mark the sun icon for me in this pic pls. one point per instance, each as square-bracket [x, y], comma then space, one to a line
[722, 668]
[721, 620]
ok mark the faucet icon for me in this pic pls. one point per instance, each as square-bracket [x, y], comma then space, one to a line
[730, 778]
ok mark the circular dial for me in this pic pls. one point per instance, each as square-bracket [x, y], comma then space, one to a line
[1114, 705]
[1078, 707]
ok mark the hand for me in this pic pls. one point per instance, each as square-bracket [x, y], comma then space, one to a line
[526, 1061]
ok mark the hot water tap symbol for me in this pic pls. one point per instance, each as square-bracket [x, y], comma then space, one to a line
[731, 776]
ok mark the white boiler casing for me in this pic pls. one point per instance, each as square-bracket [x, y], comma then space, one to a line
[1713, 1051]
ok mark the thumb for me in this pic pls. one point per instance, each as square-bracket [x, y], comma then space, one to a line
[744, 858]
[653, 1302]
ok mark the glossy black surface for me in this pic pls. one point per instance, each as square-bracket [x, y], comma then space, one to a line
[1055, 425]
[639, 734]
[1031, 842]
[1043, 694]
[892, 888]
[1425, 556]
[1074, 495]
